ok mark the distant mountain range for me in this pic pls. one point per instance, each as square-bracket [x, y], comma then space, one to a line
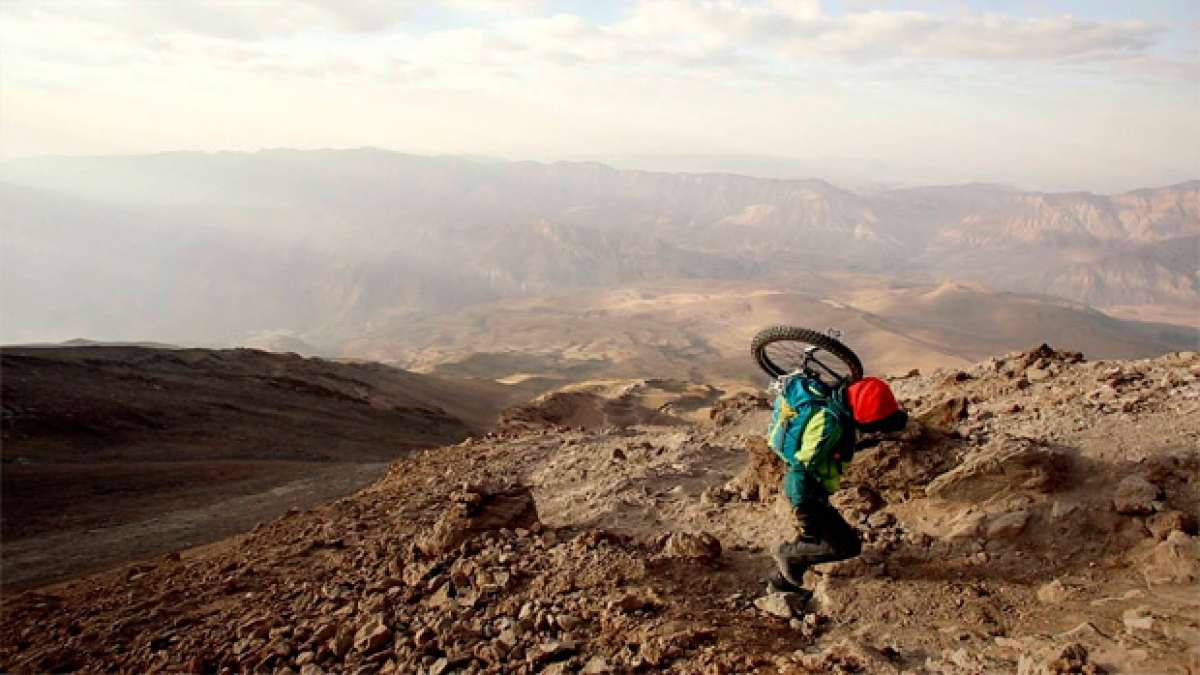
[329, 245]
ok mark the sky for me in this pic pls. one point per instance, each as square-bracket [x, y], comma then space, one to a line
[1043, 94]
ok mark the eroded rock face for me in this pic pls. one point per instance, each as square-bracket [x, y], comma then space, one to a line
[1017, 465]
[476, 510]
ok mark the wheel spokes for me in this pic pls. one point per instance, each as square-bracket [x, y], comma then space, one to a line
[791, 356]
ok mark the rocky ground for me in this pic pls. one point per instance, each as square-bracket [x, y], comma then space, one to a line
[1038, 516]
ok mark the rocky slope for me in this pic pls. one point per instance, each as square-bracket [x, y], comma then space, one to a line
[1039, 516]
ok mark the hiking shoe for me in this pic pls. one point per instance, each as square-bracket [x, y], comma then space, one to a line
[777, 584]
[793, 558]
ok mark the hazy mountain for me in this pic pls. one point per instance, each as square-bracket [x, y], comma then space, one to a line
[329, 245]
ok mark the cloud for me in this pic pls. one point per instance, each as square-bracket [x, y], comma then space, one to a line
[717, 35]
[674, 31]
[989, 37]
[800, 29]
[241, 20]
[519, 79]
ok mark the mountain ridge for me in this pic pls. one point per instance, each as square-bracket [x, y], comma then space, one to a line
[325, 244]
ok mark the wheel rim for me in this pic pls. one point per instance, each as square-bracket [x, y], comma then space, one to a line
[787, 356]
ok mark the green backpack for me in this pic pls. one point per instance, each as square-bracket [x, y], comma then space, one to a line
[799, 399]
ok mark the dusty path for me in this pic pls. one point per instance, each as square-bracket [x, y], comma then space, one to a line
[42, 559]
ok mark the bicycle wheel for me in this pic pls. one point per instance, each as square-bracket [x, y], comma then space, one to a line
[782, 350]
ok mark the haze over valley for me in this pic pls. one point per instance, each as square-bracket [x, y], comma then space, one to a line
[422, 261]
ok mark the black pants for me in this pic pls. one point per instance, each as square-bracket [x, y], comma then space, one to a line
[820, 521]
[824, 536]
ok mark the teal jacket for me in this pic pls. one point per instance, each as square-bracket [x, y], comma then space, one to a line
[816, 440]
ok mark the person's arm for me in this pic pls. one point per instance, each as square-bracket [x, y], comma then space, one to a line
[820, 449]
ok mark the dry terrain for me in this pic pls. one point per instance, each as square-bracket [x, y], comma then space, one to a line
[699, 330]
[114, 453]
[1038, 516]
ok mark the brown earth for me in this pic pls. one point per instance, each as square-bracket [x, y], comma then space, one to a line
[1038, 516]
[114, 453]
[698, 330]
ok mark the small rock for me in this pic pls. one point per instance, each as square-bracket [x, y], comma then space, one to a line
[1073, 659]
[1007, 525]
[881, 519]
[1061, 509]
[1175, 560]
[552, 651]
[946, 415]
[341, 643]
[1136, 496]
[372, 636]
[1161, 525]
[1053, 593]
[631, 602]
[1038, 374]
[782, 605]
[1139, 619]
[425, 636]
[441, 599]
[702, 547]
[568, 622]
[507, 638]
[597, 665]
[712, 497]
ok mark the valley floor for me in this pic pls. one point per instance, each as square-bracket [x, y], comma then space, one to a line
[65, 520]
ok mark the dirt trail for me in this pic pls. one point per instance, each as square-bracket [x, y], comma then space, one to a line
[1025, 522]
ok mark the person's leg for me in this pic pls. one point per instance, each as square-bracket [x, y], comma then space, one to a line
[841, 536]
[793, 558]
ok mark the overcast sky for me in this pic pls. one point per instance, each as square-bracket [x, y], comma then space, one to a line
[1100, 95]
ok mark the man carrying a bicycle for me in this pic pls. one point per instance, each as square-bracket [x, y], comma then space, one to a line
[814, 431]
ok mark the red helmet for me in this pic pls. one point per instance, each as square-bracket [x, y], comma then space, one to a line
[871, 400]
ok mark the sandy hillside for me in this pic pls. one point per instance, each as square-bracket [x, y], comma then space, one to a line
[699, 331]
[113, 453]
[1039, 518]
